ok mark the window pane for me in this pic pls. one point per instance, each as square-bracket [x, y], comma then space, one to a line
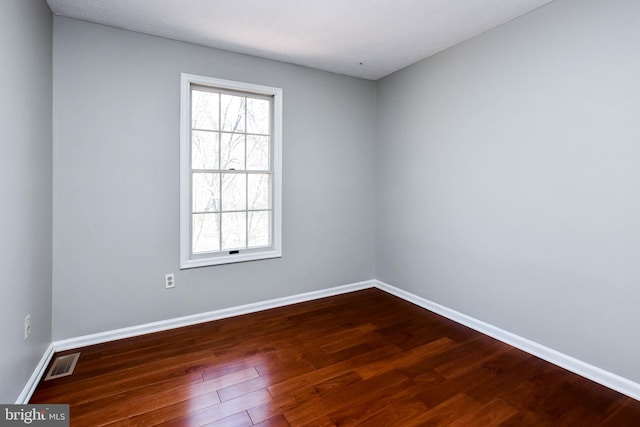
[204, 110]
[258, 187]
[205, 152]
[206, 192]
[234, 230]
[258, 152]
[232, 109]
[234, 191]
[259, 228]
[205, 229]
[258, 116]
[232, 151]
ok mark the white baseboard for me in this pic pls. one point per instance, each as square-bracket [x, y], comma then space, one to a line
[178, 322]
[31, 385]
[193, 319]
[600, 376]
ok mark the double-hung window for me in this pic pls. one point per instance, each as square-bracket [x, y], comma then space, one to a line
[230, 171]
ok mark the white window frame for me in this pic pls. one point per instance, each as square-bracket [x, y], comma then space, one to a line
[187, 258]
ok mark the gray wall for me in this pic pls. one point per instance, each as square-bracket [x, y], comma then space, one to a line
[25, 186]
[115, 207]
[508, 183]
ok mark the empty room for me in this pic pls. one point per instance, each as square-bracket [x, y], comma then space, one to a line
[321, 213]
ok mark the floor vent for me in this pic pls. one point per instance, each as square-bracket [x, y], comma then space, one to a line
[62, 366]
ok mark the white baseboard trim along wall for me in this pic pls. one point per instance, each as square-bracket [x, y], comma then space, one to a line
[38, 373]
[600, 376]
[178, 322]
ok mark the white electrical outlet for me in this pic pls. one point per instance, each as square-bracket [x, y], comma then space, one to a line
[169, 281]
[27, 326]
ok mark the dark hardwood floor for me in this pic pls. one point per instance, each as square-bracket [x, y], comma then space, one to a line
[365, 358]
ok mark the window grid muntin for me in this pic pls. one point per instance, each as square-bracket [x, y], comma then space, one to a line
[220, 171]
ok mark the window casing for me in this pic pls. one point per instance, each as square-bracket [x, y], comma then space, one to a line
[230, 171]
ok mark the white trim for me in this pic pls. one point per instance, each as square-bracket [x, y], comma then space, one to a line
[185, 166]
[193, 319]
[598, 375]
[31, 385]
[229, 259]
[275, 249]
[593, 373]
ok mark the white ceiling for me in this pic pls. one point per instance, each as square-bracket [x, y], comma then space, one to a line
[362, 38]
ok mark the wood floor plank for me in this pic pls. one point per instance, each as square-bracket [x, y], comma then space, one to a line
[626, 414]
[155, 396]
[277, 421]
[264, 412]
[407, 358]
[105, 384]
[241, 419]
[449, 411]
[298, 382]
[492, 414]
[473, 359]
[246, 387]
[399, 412]
[364, 358]
[231, 378]
[172, 409]
[362, 395]
[218, 411]
[380, 409]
